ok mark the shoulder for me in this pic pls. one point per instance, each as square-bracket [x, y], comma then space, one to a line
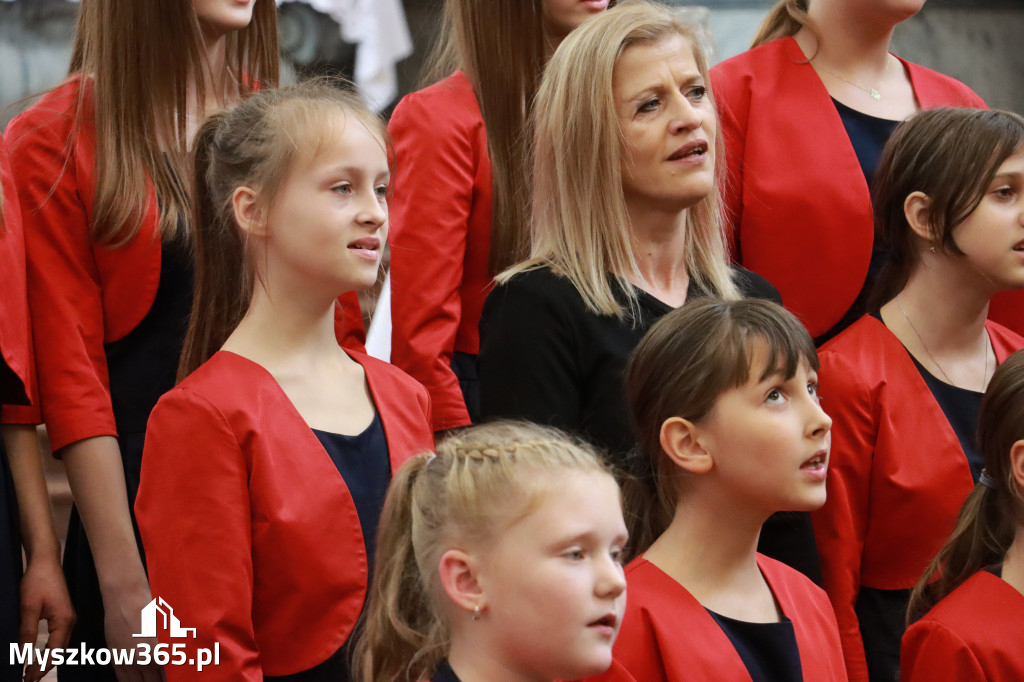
[935, 89]
[450, 102]
[1005, 341]
[386, 372]
[538, 285]
[753, 285]
[748, 64]
[864, 341]
[53, 114]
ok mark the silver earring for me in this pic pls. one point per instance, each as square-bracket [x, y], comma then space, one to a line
[476, 612]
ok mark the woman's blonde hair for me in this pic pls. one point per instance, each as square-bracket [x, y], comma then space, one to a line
[140, 59]
[253, 145]
[784, 20]
[579, 223]
[481, 481]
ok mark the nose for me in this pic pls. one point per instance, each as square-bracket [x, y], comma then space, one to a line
[818, 422]
[611, 579]
[685, 116]
[373, 210]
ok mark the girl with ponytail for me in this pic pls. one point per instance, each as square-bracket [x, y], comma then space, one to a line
[973, 591]
[499, 559]
[102, 166]
[266, 467]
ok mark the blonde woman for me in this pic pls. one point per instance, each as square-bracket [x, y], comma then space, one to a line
[102, 169]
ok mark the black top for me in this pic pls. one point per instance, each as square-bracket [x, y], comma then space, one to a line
[768, 650]
[12, 390]
[868, 135]
[365, 466]
[444, 673]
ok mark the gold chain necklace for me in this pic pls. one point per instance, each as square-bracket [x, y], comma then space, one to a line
[875, 95]
[984, 349]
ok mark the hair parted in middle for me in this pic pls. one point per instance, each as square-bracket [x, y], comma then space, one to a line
[253, 145]
[679, 369]
[481, 481]
[579, 224]
[951, 155]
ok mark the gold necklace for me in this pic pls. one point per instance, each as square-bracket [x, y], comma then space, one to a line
[984, 349]
[875, 95]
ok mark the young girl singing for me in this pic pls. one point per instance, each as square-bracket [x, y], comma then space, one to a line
[973, 631]
[265, 469]
[724, 396]
[500, 559]
[904, 383]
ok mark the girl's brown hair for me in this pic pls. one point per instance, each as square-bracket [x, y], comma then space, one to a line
[141, 59]
[994, 510]
[684, 362]
[951, 155]
[481, 481]
[580, 226]
[254, 145]
[784, 20]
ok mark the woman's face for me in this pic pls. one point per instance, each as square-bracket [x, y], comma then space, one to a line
[220, 17]
[668, 126]
[562, 16]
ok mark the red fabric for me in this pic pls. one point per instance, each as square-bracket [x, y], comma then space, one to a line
[897, 473]
[249, 531]
[81, 295]
[975, 634]
[15, 335]
[668, 635]
[348, 322]
[796, 197]
[440, 238]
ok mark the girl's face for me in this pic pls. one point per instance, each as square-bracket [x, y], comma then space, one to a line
[553, 584]
[769, 440]
[327, 226]
[221, 17]
[668, 126]
[562, 16]
[992, 236]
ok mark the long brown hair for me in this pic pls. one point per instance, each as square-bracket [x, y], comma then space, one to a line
[253, 145]
[499, 44]
[951, 155]
[481, 481]
[684, 362]
[141, 59]
[785, 19]
[579, 225]
[994, 510]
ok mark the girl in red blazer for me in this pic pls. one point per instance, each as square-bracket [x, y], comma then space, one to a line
[973, 630]
[265, 469]
[724, 396]
[101, 165]
[500, 559]
[904, 383]
[448, 238]
[805, 114]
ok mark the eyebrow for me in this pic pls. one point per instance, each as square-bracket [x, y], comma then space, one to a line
[1008, 175]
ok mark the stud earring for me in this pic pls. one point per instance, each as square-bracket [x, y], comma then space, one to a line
[476, 612]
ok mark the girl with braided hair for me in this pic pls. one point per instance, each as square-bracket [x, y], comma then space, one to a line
[499, 560]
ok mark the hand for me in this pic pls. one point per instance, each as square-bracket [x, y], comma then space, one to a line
[44, 596]
[123, 618]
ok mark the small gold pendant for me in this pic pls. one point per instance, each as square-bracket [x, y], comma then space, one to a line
[875, 94]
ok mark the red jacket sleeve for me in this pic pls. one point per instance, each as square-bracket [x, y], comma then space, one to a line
[931, 652]
[841, 525]
[65, 294]
[436, 156]
[194, 516]
[733, 106]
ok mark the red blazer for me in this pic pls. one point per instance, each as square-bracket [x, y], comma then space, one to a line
[440, 238]
[897, 473]
[796, 196]
[15, 335]
[975, 634]
[668, 635]
[250, 533]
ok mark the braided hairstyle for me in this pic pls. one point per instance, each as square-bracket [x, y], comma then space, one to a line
[481, 481]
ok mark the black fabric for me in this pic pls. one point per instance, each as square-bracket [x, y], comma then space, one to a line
[337, 668]
[882, 617]
[868, 136]
[12, 390]
[364, 464]
[444, 673]
[10, 569]
[142, 367]
[961, 408]
[768, 650]
[467, 370]
[536, 325]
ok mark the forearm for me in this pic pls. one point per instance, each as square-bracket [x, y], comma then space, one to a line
[38, 535]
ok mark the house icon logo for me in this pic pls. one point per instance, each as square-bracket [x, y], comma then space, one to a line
[170, 621]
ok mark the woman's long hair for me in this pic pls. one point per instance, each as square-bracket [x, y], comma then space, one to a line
[994, 510]
[579, 223]
[785, 19]
[137, 60]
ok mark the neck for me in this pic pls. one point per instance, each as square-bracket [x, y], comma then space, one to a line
[1013, 564]
[659, 247]
[852, 39]
[472, 662]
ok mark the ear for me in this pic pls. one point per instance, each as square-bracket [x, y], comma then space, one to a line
[916, 209]
[1017, 462]
[248, 213]
[682, 442]
[460, 580]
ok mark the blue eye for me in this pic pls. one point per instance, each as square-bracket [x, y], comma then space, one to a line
[698, 93]
[381, 191]
[574, 555]
[342, 188]
[648, 106]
